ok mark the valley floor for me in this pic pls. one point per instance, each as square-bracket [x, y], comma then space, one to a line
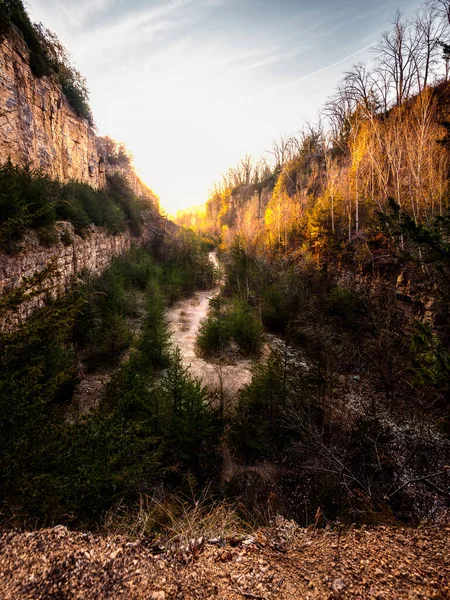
[281, 563]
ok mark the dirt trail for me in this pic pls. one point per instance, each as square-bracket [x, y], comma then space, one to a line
[184, 321]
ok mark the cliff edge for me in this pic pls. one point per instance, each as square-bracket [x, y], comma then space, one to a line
[38, 127]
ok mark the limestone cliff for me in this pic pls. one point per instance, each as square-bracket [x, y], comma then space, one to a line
[138, 187]
[38, 127]
[68, 257]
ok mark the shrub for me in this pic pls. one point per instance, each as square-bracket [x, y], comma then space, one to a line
[192, 425]
[71, 209]
[74, 89]
[66, 237]
[82, 204]
[214, 334]
[230, 322]
[115, 153]
[111, 340]
[345, 305]
[137, 268]
[123, 196]
[37, 375]
[175, 278]
[30, 199]
[245, 328]
[257, 427]
[48, 235]
[27, 199]
[154, 340]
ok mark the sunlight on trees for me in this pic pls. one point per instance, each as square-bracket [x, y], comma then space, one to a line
[380, 138]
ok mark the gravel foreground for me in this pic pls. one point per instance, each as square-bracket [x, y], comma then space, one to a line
[284, 562]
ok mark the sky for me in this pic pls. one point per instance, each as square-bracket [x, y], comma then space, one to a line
[191, 86]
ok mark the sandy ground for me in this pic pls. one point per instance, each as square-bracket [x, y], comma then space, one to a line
[184, 321]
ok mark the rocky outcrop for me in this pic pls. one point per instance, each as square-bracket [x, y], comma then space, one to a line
[138, 187]
[38, 127]
[66, 259]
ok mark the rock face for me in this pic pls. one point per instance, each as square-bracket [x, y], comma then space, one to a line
[138, 187]
[37, 125]
[93, 253]
[38, 128]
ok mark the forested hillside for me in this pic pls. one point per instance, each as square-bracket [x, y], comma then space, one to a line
[340, 245]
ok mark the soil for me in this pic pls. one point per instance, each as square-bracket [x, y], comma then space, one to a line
[282, 562]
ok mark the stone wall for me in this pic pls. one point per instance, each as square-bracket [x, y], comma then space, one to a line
[37, 125]
[69, 256]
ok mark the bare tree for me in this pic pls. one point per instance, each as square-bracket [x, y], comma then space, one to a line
[242, 174]
[333, 172]
[261, 170]
[443, 10]
[429, 29]
[360, 87]
[338, 111]
[443, 7]
[396, 54]
[246, 168]
[383, 83]
[283, 151]
[311, 140]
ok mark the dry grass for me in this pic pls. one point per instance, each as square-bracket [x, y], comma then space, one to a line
[184, 321]
[174, 521]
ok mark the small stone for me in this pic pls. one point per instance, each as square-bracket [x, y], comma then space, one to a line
[158, 596]
[338, 585]
[60, 530]
[249, 541]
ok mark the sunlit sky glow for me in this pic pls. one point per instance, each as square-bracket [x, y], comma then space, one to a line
[190, 86]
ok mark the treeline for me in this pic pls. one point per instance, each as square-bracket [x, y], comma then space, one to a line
[31, 200]
[154, 427]
[47, 55]
[331, 193]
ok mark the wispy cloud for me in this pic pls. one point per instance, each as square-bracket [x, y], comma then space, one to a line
[135, 27]
[341, 61]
